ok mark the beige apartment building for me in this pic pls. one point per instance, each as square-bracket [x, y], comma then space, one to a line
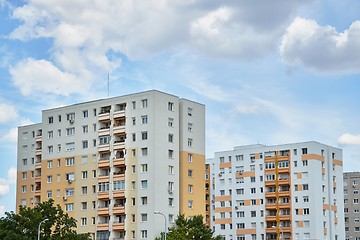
[112, 163]
[351, 205]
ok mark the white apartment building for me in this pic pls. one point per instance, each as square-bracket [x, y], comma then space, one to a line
[112, 163]
[290, 191]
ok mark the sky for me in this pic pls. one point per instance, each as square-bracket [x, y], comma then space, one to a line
[269, 72]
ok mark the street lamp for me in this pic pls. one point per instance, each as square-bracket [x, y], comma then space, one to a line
[281, 232]
[40, 225]
[160, 213]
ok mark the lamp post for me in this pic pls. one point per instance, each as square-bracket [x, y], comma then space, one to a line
[39, 227]
[160, 213]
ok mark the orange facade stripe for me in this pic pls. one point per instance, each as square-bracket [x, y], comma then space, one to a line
[223, 209]
[225, 165]
[312, 157]
[222, 198]
[223, 221]
[246, 231]
[337, 162]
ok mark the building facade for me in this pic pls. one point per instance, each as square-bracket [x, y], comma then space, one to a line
[292, 191]
[112, 163]
[351, 205]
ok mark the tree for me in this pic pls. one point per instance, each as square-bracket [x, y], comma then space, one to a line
[194, 228]
[24, 225]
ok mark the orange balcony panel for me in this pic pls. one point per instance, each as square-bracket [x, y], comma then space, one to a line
[270, 206]
[119, 161]
[104, 132]
[119, 210]
[323, 171]
[333, 208]
[325, 231]
[119, 145]
[284, 170]
[119, 114]
[119, 194]
[102, 227]
[38, 193]
[104, 116]
[246, 231]
[284, 194]
[119, 177]
[271, 230]
[270, 183]
[337, 162]
[104, 163]
[38, 138]
[103, 211]
[271, 218]
[282, 158]
[270, 194]
[284, 182]
[119, 129]
[118, 226]
[103, 179]
[284, 218]
[38, 178]
[104, 148]
[103, 195]
[38, 152]
[284, 205]
[312, 157]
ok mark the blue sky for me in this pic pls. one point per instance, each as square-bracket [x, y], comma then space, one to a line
[269, 72]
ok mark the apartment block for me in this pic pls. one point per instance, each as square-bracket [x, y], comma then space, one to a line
[290, 191]
[351, 205]
[112, 163]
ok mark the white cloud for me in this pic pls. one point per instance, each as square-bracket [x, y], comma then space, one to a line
[6, 182]
[244, 109]
[2, 210]
[321, 47]
[11, 136]
[7, 113]
[349, 139]
[41, 76]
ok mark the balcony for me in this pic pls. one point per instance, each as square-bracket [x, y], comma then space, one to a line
[104, 131]
[38, 151]
[103, 211]
[104, 148]
[117, 226]
[118, 162]
[104, 163]
[119, 209]
[119, 113]
[119, 194]
[118, 177]
[119, 144]
[102, 227]
[38, 138]
[103, 195]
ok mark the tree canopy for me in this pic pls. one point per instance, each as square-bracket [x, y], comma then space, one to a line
[24, 225]
[193, 228]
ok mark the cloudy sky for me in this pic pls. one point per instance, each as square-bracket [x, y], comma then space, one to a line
[269, 72]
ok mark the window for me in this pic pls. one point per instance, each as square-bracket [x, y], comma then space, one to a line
[70, 146]
[190, 112]
[306, 211]
[133, 121]
[84, 190]
[85, 144]
[306, 198]
[85, 113]
[133, 137]
[190, 204]
[144, 119]
[133, 105]
[24, 175]
[144, 184]
[190, 157]
[59, 132]
[144, 103]
[171, 202]
[252, 190]
[190, 188]
[144, 135]
[49, 194]
[144, 151]
[144, 217]
[143, 233]
[49, 164]
[70, 131]
[49, 179]
[171, 186]
[171, 122]
[70, 176]
[83, 205]
[171, 138]
[190, 173]
[69, 192]
[305, 186]
[171, 153]
[144, 167]
[171, 170]
[84, 174]
[190, 142]
[83, 221]
[104, 140]
[59, 147]
[119, 185]
[190, 127]
[170, 106]
[50, 134]
[356, 201]
[305, 162]
[144, 200]
[304, 151]
[69, 207]
[50, 120]
[85, 129]
[103, 187]
[50, 149]
[70, 161]
[240, 191]
[70, 117]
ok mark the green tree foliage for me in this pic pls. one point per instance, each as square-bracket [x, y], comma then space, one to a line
[187, 229]
[24, 225]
